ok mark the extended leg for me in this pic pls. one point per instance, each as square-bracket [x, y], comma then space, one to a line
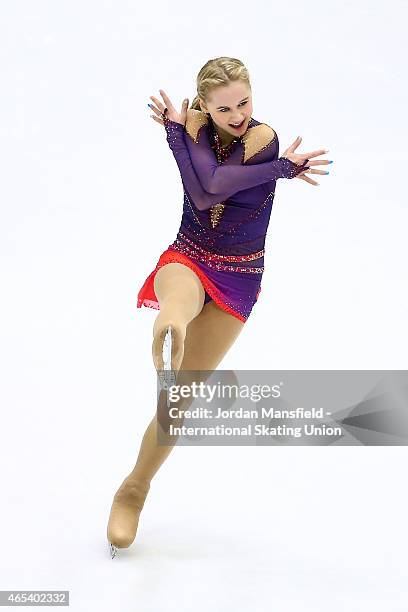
[208, 337]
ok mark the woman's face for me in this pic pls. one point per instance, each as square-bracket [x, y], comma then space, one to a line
[228, 105]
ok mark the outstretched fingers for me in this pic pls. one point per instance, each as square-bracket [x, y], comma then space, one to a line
[297, 142]
[303, 177]
[157, 119]
[294, 144]
[315, 153]
[318, 162]
[159, 108]
[167, 100]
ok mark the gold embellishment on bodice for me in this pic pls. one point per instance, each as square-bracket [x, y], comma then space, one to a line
[254, 140]
[195, 120]
[216, 213]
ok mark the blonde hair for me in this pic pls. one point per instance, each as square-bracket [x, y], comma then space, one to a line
[216, 72]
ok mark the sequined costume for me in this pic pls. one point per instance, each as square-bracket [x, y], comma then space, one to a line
[228, 196]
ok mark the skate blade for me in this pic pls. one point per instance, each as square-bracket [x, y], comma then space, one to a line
[167, 376]
[113, 550]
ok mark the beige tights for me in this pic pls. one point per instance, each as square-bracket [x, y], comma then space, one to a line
[201, 336]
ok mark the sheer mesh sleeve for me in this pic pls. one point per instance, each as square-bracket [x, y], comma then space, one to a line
[210, 183]
[176, 137]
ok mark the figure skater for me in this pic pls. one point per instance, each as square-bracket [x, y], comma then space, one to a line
[206, 283]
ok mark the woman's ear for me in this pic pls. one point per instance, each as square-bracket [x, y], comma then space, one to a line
[203, 107]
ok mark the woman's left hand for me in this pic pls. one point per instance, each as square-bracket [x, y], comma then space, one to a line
[172, 114]
[306, 157]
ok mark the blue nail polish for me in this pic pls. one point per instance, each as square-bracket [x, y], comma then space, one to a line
[150, 107]
[330, 162]
[327, 172]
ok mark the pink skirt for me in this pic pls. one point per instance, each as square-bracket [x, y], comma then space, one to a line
[216, 288]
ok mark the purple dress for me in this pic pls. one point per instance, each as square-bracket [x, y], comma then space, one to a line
[228, 196]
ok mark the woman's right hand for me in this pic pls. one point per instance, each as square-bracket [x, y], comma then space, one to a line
[171, 113]
[301, 158]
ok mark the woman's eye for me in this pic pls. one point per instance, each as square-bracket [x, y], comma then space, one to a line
[224, 110]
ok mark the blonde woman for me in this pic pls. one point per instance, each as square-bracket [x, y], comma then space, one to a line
[206, 283]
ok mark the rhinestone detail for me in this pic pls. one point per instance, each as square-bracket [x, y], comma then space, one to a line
[182, 248]
[215, 260]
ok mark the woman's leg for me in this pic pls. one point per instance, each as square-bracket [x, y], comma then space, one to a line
[208, 338]
[209, 335]
[181, 298]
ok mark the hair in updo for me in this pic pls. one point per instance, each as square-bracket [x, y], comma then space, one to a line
[217, 72]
